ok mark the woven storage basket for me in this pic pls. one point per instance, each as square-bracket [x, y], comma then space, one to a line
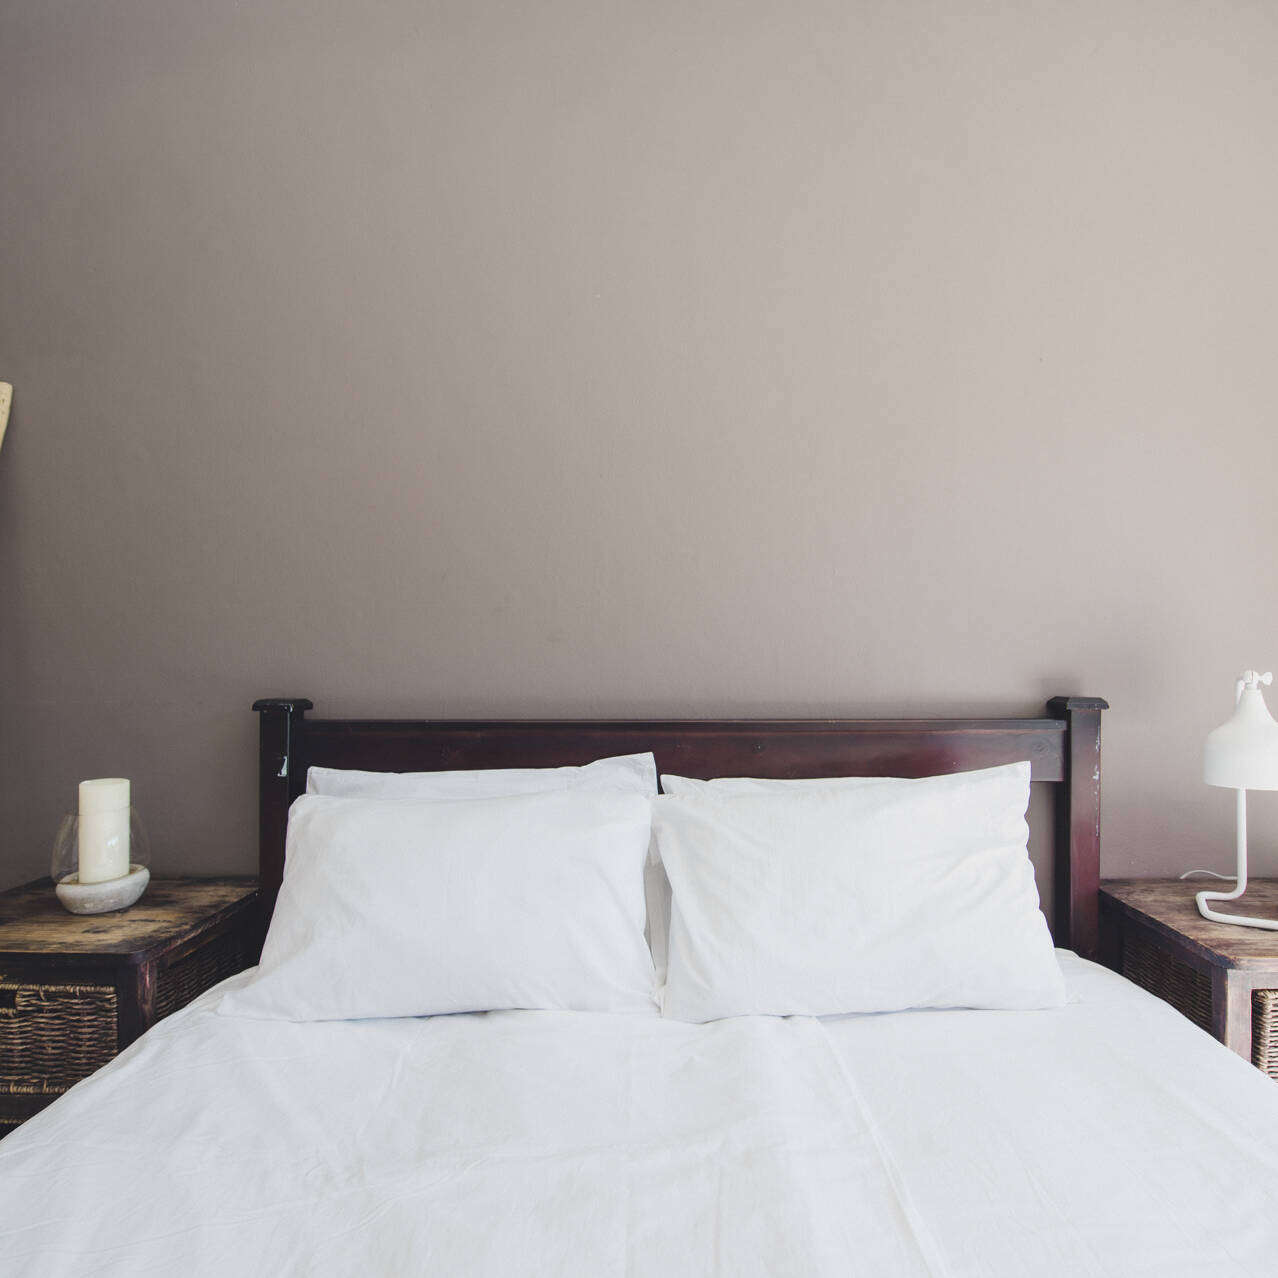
[180, 982]
[1189, 992]
[51, 1036]
[1185, 988]
[1264, 1031]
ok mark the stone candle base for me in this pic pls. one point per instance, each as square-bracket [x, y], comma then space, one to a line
[102, 898]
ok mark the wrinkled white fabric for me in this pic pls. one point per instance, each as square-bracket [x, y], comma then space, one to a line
[823, 900]
[631, 773]
[1106, 1137]
[408, 907]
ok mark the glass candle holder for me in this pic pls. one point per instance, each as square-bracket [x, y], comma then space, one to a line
[104, 895]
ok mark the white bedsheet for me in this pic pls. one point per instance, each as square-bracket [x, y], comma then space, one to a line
[937, 1143]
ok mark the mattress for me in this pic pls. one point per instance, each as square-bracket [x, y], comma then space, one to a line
[1105, 1137]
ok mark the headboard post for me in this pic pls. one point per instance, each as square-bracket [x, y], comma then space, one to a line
[279, 717]
[1077, 858]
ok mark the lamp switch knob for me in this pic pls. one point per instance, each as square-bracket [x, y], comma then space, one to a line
[1252, 680]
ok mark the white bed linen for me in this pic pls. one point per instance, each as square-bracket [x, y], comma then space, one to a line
[409, 907]
[934, 1142]
[873, 898]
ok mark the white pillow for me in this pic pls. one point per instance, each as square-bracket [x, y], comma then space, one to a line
[401, 907]
[633, 773]
[874, 898]
[656, 882]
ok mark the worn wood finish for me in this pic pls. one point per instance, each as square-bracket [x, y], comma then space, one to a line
[181, 937]
[1168, 906]
[1063, 748]
[170, 913]
[1236, 961]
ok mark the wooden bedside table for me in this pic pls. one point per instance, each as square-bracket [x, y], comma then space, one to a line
[1225, 979]
[76, 989]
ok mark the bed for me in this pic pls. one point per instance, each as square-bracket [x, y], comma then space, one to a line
[1094, 1133]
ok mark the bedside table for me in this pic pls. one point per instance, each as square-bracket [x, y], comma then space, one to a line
[76, 989]
[1225, 979]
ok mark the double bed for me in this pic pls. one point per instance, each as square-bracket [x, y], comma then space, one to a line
[1091, 1130]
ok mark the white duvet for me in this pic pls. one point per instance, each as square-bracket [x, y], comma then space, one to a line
[1106, 1137]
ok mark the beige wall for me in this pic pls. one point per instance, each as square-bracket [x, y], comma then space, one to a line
[570, 358]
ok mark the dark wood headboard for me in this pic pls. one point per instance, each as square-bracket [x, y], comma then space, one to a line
[1064, 749]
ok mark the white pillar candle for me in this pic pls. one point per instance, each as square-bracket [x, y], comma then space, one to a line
[104, 829]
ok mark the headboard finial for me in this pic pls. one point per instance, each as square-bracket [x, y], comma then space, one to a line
[1060, 705]
[287, 705]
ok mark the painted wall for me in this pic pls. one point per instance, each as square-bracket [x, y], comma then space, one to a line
[631, 358]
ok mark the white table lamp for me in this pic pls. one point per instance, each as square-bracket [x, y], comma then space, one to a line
[1242, 755]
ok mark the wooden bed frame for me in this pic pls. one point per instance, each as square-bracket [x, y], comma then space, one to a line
[1064, 749]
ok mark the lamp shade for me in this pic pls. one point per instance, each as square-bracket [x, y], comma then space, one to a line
[1242, 754]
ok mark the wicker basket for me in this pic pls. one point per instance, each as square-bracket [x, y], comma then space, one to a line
[1189, 991]
[178, 983]
[1185, 988]
[51, 1036]
[73, 992]
[1264, 1031]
